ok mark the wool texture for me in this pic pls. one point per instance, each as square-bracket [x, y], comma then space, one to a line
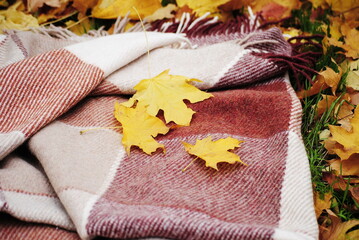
[58, 184]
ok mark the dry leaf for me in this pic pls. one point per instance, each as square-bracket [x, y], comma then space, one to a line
[108, 9]
[339, 183]
[201, 7]
[325, 79]
[321, 204]
[4, 3]
[349, 140]
[319, 3]
[139, 128]
[83, 5]
[349, 167]
[162, 13]
[12, 18]
[342, 5]
[167, 92]
[352, 79]
[214, 152]
[342, 109]
[34, 5]
[337, 229]
[352, 44]
[274, 11]
[80, 27]
[288, 5]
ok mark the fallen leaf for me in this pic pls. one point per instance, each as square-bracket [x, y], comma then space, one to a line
[162, 13]
[12, 18]
[167, 92]
[342, 5]
[214, 152]
[342, 109]
[291, 32]
[337, 230]
[108, 9]
[234, 5]
[62, 12]
[201, 7]
[348, 167]
[339, 183]
[352, 79]
[321, 204]
[4, 3]
[83, 5]
[34, 5]
[349, 140]
[79, 28]
[139, 128]
[288, 5]
[354, 98]
[325, 134]
[352, 44]
[319, 3]
[273, 11]
[325, 79]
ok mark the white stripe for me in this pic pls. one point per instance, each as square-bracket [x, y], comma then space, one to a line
[37, 208]
[297, 206]
[113, 52]
[10, 141]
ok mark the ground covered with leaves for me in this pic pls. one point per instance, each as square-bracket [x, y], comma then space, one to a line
[324, 71]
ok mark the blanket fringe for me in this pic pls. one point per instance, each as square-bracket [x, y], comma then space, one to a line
[300, 63]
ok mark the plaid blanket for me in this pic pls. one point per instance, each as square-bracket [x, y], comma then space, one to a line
[58, 182]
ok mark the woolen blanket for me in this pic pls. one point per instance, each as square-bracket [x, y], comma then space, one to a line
[58, 182]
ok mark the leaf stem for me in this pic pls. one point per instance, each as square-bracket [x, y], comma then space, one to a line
[99, 128]
[184, 169]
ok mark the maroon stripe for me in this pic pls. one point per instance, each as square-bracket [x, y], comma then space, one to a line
[106, 88]
[148, 188]
[244, 112]
[249, 69]
[13, 229]
[37, 90]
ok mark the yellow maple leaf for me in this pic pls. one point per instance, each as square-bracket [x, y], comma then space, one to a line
[139, 128]
[349, 140]
[12, 18]
[108, 9]
[167, 92]
[201, 7]
[214, 152]
[162, 13]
